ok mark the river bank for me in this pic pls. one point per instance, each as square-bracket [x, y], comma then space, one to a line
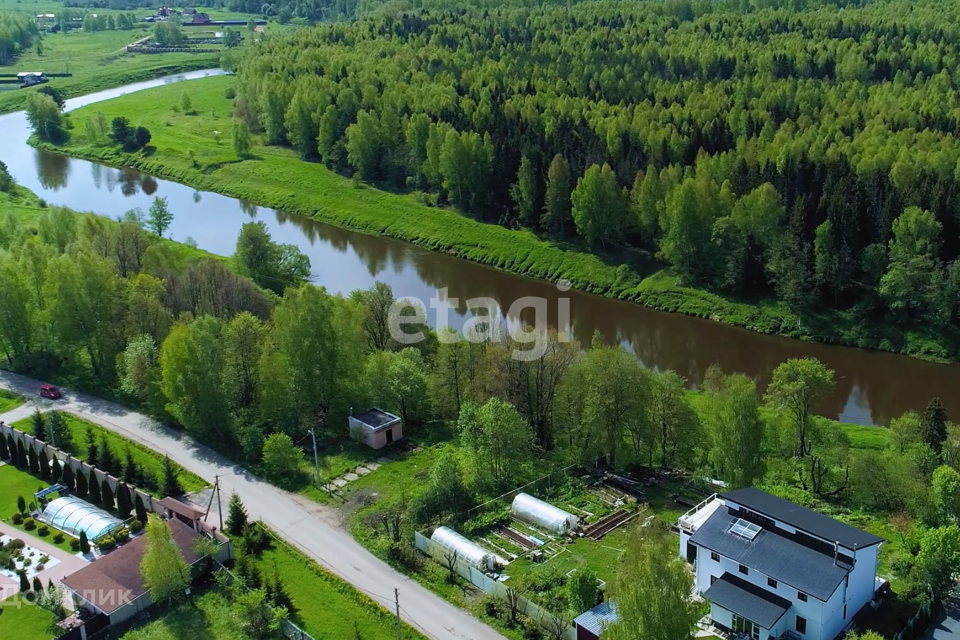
[186, 149]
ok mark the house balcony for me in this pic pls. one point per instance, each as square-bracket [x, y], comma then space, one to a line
[692, 519]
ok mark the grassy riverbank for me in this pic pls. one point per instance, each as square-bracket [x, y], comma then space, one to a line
[185, 148]
[97, 61]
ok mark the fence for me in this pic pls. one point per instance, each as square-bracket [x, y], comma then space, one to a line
[78, 465]
[917, 626]
[289, 629]
[556, 626]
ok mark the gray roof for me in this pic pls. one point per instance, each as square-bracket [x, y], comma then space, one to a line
[593, 620]
[376, 418]
[747, 600]
[773, 555]
[802, 518]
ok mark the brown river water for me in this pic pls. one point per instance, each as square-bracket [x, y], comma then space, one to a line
[871, 387]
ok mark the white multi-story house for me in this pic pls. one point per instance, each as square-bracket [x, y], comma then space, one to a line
[773, 570]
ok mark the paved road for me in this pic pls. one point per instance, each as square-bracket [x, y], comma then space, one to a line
[311, 527]
[947, 626]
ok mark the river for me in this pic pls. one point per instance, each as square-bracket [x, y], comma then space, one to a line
[871, 387]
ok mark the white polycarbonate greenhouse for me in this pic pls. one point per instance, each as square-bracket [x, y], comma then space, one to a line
[542, 514]
[467, 550]
[73, 515]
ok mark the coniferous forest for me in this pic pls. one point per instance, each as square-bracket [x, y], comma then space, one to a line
[804, 153]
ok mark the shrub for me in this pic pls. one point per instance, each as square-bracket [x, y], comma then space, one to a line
[75, 545]
[16, 544]
[255, 539]
[40, 567]
[44, 531]
[17, 518]
[29, 524]
[136, 526]
[106, 543]
[230, 94]
[58, 538]
[121, 536]
[27, 562]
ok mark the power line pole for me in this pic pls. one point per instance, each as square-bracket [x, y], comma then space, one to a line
[316, 462]
[396, 597]
[219, 504]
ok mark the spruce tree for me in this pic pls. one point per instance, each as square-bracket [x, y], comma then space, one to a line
[236, 517]
[106, 495]
[4, 449]
[37, 585]
[67, 478]
[21, 504]
[123, 501]
[84, 543]
[934, 425]
[82, 484]
[171, 483]
[24, 583]
[140, 509]
[44, 465]
[8, 448]
[93, 456]
[130, 470]
[58, 432]
[34, 461]
[56, 470]
[39, 427]
[94, 489]
[108, 461]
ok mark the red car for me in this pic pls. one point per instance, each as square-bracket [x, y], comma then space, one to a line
[50, 391]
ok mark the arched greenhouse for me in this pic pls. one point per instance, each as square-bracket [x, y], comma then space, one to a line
[543, 514]
[73, 515]
[467, 550]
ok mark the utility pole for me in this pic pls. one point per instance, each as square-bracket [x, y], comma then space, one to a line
[316, 462]
[219, 503]
[396, 597]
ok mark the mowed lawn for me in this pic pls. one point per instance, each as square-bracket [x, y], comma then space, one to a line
[14, 483]
[9, 400]
[20, 621]
[150, 461]
[207, 616]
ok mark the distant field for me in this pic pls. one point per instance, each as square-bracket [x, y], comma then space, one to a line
[97, 61]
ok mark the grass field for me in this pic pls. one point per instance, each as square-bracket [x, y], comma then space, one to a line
[326, 606]
[185, 149]
[97, 61]
[24, 622]
[150, 461]
[206, 616]
[9, 400]
[16, 482]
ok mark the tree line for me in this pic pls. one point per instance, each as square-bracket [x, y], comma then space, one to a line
[758, 152]
[17, 34]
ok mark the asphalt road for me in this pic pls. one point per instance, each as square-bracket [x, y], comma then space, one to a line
[313, 528]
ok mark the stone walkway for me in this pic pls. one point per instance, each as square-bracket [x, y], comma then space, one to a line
[356, 474]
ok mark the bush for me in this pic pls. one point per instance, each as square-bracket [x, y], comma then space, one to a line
[44, 531]
[255, 539]
[16, 544]
[29, 524]
[121, 536]
[58, 538]
[106, 543]
[136, 526]
[230, 94]
[17, 518]
[74, 545]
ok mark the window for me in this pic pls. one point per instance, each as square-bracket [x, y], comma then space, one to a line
[715, 556]
[801, 625]
[844, 612]
[801, 596]
[771, 583]
[742, 625]
[744, 570]
[712, 580]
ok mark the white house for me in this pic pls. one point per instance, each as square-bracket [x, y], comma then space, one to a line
[775, 570]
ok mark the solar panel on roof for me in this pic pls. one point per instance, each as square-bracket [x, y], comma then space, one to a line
[744, 529]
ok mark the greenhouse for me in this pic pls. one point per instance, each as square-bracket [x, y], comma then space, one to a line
[73, 515]
[543, 514]
[467, 550]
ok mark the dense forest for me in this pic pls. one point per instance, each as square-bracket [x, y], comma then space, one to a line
[17, 32]
[811, 155]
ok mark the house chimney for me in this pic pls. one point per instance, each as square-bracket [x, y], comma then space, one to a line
[351, 412]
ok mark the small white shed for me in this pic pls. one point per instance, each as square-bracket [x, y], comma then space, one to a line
[376, 428]
[543, 514]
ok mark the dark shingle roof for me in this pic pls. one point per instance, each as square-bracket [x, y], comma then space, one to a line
[376, 418]
[747, 600]
[802, 518]
[593, 620]
[113, 580]
[773, 555]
